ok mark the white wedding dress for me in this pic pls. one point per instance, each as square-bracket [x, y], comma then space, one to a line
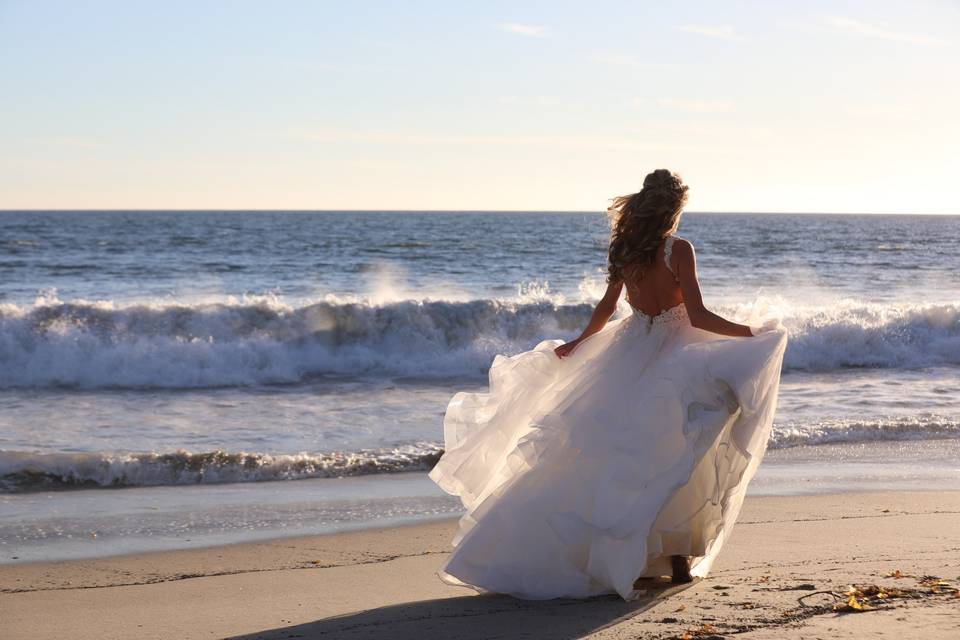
[582, 474]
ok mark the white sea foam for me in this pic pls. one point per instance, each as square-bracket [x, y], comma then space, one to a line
[837, 431]
[32, 471]
[263, 340]
[24, 471]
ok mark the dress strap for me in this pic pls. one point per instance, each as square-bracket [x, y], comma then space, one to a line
[667, 253]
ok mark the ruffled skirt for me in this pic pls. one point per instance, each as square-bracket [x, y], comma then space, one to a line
[580, 475]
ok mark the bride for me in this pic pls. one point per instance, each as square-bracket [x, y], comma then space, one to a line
[625, 453]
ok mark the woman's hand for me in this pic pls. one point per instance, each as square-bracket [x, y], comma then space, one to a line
[604, 309]
[769, 325]
[566, 348]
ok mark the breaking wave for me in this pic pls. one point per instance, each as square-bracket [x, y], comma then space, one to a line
[151, 345]
[30, 471]
[899, 429]
[26, 471]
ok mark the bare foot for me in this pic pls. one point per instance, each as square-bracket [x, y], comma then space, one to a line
[681, 570]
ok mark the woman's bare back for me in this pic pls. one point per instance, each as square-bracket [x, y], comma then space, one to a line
[671, 280]
[659, 288]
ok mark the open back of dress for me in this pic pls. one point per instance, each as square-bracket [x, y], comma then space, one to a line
[676, 298]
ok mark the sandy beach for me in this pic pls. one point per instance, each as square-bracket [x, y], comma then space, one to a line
[381, 584]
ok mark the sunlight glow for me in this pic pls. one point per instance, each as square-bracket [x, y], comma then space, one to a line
[768, 107]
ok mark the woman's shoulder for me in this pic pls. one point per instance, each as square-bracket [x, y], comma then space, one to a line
[679, 247]
[676, 242]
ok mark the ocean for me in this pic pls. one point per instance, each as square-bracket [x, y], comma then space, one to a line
[177, 379]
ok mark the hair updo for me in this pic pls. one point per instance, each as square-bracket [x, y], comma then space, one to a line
[638, 222]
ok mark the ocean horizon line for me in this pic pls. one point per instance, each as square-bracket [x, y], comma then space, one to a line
[447, 211]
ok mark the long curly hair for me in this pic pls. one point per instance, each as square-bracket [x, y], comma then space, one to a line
[638, 222]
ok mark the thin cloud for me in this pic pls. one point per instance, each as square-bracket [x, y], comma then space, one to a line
[696, 106]
[883, 111]
[606, 143]
[711, 31]
[290, 62]
[859, 28]
[529, 30]
[540, 101]
[627, 60]
[74, 142]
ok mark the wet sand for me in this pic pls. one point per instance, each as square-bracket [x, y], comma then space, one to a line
[789, 561]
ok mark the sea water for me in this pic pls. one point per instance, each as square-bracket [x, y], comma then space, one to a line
[165, 377]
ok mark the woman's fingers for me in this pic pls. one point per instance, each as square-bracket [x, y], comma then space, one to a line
[564, 349]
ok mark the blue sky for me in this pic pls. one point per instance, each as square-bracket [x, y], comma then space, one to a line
[761, 106]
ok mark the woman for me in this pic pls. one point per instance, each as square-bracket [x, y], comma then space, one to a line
[626, 452]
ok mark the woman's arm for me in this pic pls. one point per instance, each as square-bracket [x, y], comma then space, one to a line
[700, 316]
[605, 308]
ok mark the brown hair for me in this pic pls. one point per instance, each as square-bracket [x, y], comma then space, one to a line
[638, 222]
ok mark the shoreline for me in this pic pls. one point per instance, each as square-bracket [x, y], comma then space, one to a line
[60, 525]
[382, 583]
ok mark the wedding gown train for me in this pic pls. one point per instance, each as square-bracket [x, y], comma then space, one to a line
[580, 475]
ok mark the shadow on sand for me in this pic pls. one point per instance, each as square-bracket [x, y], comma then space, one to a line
[478, 617]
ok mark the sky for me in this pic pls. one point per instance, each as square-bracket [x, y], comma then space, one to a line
[760, 106]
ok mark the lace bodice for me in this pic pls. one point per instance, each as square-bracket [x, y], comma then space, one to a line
[673, 315]
[668, 253]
